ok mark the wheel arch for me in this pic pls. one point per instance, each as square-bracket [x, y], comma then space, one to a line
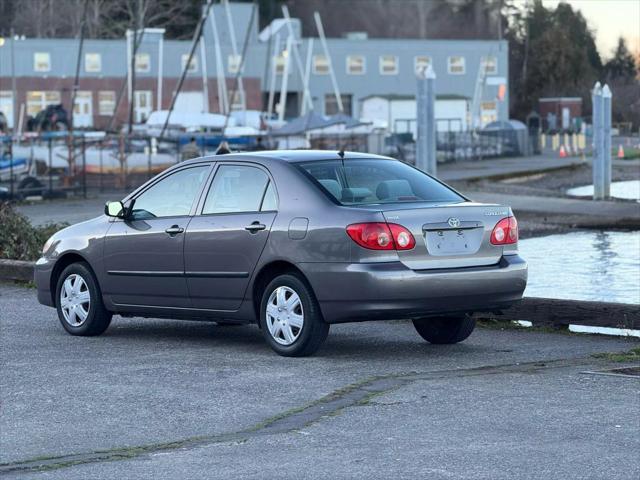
[63, 262]
[267, 273]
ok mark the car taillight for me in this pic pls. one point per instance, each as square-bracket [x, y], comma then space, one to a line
[403, 238]
[505, 232]
[381, 236]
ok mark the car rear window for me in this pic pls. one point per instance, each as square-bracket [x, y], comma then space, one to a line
[376, 181]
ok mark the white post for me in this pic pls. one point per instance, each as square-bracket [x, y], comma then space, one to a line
[306, 97]
[323, 41]
[606, 141]
[307, 75]
[205, 76]
[129, 80]
[234, 50]
[160, 71]
[598, 177]
[426, 125]
[285, 80]
[220, 73]
[273, 76]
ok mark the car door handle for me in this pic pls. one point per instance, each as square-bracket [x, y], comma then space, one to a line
[255, 227]
[174, 230]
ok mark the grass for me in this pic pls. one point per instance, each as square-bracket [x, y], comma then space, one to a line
[632, 355]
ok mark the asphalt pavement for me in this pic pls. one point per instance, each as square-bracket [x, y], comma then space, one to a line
[176, 399]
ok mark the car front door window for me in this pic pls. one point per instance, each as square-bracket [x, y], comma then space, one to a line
[172, 196]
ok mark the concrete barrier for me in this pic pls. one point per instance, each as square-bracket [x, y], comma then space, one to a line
[16, 270]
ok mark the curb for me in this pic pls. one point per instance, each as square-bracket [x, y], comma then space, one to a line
[512, 174]
[19, 270]
[551, 312]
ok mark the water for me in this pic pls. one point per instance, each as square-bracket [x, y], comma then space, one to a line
[629, 189]
[597, 266]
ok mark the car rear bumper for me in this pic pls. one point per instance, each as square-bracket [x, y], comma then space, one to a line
[383, 291]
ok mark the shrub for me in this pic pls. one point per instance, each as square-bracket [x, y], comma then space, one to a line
[19, 240]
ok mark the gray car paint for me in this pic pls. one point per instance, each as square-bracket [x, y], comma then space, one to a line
[141, 270]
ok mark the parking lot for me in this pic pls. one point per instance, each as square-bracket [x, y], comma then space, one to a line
[171, 399]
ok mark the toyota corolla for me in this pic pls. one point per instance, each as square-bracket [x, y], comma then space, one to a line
[291, 240]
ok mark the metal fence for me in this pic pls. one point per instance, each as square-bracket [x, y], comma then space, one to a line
[57, 164]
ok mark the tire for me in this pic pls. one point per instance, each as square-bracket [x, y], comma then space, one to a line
[96, 318]
[30, 187]
[297, 330]
[445, 330]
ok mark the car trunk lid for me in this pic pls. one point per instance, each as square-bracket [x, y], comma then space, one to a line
[449, 236]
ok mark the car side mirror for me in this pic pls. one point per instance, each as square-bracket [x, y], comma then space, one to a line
[114, 209]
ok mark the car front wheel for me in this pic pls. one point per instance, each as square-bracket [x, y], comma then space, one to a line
[445, 330]
[79, 302]
[290, 317]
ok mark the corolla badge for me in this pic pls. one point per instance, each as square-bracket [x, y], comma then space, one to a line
[495, 213]
[454, 222]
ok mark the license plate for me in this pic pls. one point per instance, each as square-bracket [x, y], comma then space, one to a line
[449, 242]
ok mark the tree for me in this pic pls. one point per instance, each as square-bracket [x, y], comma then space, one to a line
[552, 53]
[622, 65]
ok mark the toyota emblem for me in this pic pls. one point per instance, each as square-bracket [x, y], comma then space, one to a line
[454, 222]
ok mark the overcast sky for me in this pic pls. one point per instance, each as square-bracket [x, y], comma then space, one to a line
[610, 19]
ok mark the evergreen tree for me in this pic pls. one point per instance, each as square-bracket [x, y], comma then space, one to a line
[622, 65]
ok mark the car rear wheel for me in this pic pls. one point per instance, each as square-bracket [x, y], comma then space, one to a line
[445, 330]
[290, 317]
[79, 302]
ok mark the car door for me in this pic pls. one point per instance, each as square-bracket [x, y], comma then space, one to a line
[225, 240]
[143, 255]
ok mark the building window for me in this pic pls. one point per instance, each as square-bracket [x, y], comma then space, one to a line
[235, 102]
[233, 63]
[331, 105]
[280, 61]
[41, 62]
[320, 65]
[356, 65]
[193, 65]
[456, 65]
[388, 65]
[92, 62]
[106, 102]
[6, 106]
[143, 62]
[488, 113]
[39, 100]
[489, 65]
[421, 62]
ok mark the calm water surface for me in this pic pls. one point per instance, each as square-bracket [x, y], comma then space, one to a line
[629, 189]
[598, 266]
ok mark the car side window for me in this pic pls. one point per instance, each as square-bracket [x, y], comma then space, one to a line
[235, 189]
[172, 196]
[270, 201]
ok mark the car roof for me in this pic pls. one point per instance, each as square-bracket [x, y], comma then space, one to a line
[290, 156]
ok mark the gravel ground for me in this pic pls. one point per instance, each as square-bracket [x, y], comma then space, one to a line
[169, 399]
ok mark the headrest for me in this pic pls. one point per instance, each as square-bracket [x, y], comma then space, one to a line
[355, 194]
[332, 186]
[392, 189]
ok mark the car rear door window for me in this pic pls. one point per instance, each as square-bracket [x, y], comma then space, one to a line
[172, 196]
[237, 188]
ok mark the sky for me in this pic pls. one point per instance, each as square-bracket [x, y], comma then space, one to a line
[610, 19]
